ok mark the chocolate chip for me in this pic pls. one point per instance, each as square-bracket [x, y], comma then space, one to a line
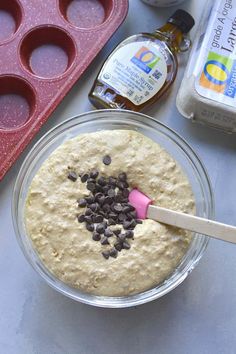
[106, 254]
[110, 216]
[98, 219]
[90, 227]
[101, 200]
[126, 209]
[108, 233]
[88, 212]
[84, 177]
[101, 212]
[108, 200]
[122, 237]
[111, 186]
[89, 199]
[91, 186]
[100, 228]
[106, 208]
[122, 176]
[113, 216]
[120, 185]
[88, 219]
[119, 198]
[126, 185]
[126, 245]
[132, 224]
[104, 241]
[118, 246]
[131, 208]
[126, 225]
[98, 196]
[105, 189]
[81, 218]
[113, 253]
[72, 175]
[102, 181]
[98, 189]
[94, 207]
[129, 224]
[112, 181]
[104, 223]
[82, 203]
[118, 208]
[129, 234]
[117, 232]
[90, 180]
[106, 160]
[133, 214]
[122, 217]
[96, 236]
[94, 174]
[138, 221]
[111, 222]
[128, 217]
[125, 193]
[111, 193]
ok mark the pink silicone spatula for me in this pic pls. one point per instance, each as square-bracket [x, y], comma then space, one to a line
[145, 210]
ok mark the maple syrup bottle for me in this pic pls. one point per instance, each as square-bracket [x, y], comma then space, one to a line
[142, 67]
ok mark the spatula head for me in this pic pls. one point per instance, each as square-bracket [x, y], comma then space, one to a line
[140, 202]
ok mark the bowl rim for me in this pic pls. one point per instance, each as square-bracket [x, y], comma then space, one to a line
[51, 280]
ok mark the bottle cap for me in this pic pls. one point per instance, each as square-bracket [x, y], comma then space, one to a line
[183, 20]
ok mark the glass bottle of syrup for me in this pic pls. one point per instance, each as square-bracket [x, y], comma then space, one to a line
[142, 67]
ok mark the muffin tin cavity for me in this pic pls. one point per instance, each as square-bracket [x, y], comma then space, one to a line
[85, 13]
[47, 52]
[17, 102]
[10, 19]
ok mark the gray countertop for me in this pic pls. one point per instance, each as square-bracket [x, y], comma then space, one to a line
[198, 317]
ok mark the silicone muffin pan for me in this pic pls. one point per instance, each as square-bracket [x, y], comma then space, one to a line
[45, 46]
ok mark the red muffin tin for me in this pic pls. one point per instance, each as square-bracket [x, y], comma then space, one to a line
[45, 46]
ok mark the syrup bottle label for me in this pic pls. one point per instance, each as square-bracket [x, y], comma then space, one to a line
[136, 71]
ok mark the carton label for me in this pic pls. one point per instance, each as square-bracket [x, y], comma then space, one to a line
[217, 77]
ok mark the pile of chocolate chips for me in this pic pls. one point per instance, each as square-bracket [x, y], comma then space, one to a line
[107, 205]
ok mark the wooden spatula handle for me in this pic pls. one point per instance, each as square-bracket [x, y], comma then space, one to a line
[193, 223]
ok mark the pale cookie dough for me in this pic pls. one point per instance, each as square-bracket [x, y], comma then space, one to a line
[65, 246]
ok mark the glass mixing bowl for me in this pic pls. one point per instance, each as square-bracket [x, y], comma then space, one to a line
[115, 119]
